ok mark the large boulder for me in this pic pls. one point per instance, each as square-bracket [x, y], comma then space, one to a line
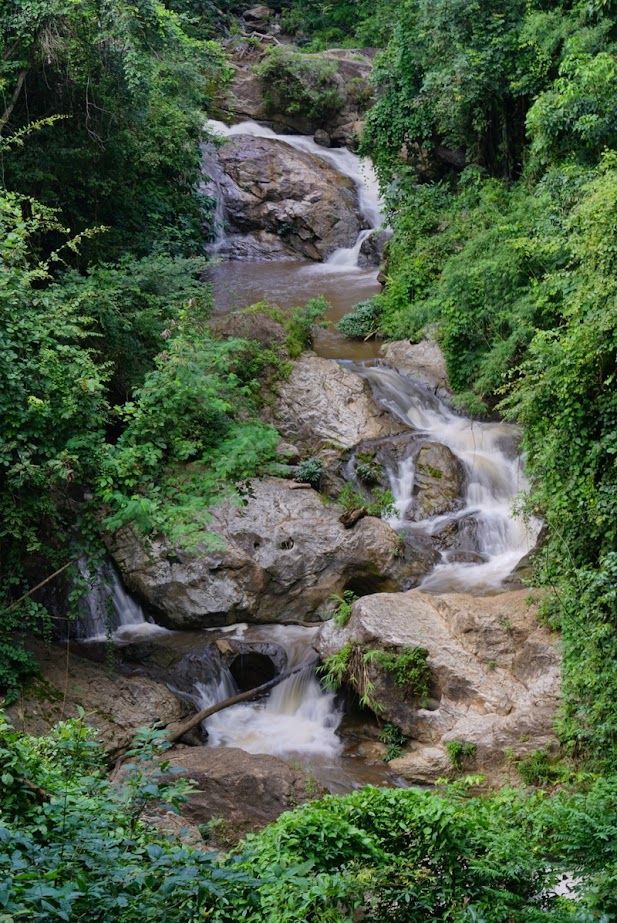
[495, 674]
[325, 404]
[423, 361]
[288, 202]
[279, 558]
[439, 477]
[115, 705]
[351, 80]
[238, 792]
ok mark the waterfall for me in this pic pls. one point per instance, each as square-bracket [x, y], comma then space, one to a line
[212, 188]
[297, 719]
[489, 529]
[107, 610]
[360, 171]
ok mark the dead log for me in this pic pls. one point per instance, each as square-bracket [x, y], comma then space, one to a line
[351, 517]
[175, 732]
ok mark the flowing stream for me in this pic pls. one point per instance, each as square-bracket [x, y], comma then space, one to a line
[299, 720]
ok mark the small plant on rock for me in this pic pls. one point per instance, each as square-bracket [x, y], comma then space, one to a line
[310, 471]
[395, 740]
[409, 669]
[368, 470]
[460, 753]
[343, 610]
[363, 320]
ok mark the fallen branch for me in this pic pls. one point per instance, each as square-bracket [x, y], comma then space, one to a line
[175, 732]
[56, 573]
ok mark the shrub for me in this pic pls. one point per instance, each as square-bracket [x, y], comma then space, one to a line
[297, 85]
[363, 319]
[310, 471]
[460, 754]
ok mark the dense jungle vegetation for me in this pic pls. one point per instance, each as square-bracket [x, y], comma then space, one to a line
[495, 139]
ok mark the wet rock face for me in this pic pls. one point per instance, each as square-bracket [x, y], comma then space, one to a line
[438, 482]
[281, 202]
[495, 674]
[324, 404]
[278, 559]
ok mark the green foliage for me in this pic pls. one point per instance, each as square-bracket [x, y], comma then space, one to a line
[539, 769]
[134, 86]
[132, 304]
[411, 857]
[301, 323]
[359, 667]
[363, 320]
[460, 753]
[409, 669]
[74, 845]
[342, 612]
[393, 737]
[298, 85]
[193, 408]
[320, 25]
[310, 470]
[378, 502]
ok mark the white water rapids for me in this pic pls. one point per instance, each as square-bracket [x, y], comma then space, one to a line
[494, 481]
[297, 719]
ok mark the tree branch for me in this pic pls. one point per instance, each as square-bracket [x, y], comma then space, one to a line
[175, 732]
[6, 115]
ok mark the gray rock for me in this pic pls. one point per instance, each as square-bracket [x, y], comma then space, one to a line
[324, 404]
[372, 249]
[322, 137]
[258, 15]
[495, 674]
[297, 203]
[438, 482]
[278, 559]
[423, 361]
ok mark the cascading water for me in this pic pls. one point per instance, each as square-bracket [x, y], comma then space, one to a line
[493, 534]
[343, 160]
[298, 719]
[106, 609]
[340, 279]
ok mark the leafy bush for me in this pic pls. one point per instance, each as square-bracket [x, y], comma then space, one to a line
[300, 325]
[393, 737]
[460, 753]
[297, 85]
[310, 470]
[75, 846]
[363, 320]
